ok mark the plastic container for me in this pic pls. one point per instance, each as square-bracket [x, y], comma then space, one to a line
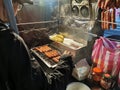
[77, 86]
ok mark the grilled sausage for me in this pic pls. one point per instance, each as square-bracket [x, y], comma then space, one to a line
[108, 18]
[113, 18]
[102, 19]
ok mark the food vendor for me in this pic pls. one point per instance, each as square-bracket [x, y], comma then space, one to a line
[15, 64]
[15, 69]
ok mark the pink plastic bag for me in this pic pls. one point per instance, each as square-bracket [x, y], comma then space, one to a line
[106, 54]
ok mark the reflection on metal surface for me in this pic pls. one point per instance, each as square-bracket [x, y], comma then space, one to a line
[44, 10]
[78, 1]
[84, 11]
[65, 10]
[38, 22]
[81, 9]
[75, 10]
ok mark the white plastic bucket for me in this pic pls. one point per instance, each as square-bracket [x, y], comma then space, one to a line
[77, 86]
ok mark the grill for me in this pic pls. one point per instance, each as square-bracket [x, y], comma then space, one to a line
[43, 57]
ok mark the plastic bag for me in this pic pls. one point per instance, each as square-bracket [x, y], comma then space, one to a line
[81, 70]
[106, 54]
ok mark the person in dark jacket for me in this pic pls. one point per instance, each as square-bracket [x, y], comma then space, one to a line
[16, 69]
[15, 66]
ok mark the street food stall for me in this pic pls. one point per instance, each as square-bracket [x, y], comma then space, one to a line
[66, 30]
[50, 27]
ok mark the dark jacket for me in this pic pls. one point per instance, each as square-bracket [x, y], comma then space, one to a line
[15, 68]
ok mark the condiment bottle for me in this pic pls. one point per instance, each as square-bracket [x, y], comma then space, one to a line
[106, 81]
[97, 74]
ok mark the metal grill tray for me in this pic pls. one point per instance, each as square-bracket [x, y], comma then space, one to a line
[48, 61]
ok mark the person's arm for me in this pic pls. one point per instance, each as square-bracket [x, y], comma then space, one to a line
[19, 64]
[63, 72]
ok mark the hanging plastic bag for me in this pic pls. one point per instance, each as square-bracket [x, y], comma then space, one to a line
[106, 54]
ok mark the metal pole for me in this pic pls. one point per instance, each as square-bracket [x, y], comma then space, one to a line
[10, 13]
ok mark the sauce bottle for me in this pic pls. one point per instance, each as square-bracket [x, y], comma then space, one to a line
[97, 74]
[106, 81]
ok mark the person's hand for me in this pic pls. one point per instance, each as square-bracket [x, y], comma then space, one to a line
[66, 52]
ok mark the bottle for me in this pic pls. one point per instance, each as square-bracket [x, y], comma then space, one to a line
[106, 81]
[97, 74]
[90, 80]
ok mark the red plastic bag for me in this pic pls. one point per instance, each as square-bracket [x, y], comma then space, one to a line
[106, 54]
